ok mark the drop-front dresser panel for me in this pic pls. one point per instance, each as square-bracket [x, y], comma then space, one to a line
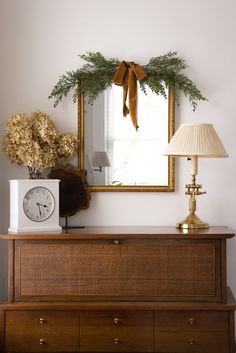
[182, 269]
[118, 289]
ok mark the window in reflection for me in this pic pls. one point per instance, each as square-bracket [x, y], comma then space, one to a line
[135, 157]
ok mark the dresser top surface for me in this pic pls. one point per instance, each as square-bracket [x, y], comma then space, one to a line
[132, 232]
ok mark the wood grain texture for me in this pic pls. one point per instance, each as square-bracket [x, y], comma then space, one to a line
[223, 272]
[11, 263]
[58, 330]
[73, 190]
[192, 320]
[230, 305]
[122, 232]
[232, 343]
[196, 342]
[2, 331]
[118, 331]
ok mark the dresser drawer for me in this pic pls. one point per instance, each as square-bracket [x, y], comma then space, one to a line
[194, 342]
[191, 320]
[38, 331]
[120, 331]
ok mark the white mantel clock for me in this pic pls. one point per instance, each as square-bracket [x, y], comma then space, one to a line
[34, 205]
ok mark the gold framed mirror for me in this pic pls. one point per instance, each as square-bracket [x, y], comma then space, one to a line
[114, 155]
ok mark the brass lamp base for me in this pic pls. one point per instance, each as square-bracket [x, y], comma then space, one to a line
[192, 222]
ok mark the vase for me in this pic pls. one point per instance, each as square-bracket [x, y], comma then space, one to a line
[34, 173]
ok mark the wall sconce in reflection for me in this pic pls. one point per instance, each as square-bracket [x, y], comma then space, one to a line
[100, 159]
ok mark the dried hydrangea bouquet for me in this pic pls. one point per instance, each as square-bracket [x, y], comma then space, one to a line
[36, 143]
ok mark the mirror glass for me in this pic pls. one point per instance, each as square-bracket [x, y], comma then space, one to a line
[115, 155]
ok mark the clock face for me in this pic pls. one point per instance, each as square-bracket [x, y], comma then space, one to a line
[38, 204]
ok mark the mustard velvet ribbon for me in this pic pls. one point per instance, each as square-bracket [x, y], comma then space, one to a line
[127, 75]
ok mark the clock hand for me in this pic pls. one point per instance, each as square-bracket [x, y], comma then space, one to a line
[38, 204]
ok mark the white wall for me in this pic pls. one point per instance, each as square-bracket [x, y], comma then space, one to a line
[41, 40]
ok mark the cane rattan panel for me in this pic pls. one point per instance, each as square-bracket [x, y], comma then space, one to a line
[130, 270]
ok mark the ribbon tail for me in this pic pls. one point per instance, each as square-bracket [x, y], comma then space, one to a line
[133, 98]
[125, 93]
[125, 110]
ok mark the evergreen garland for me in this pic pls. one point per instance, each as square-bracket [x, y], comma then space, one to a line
[98, 73]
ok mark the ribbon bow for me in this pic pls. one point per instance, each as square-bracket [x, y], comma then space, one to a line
[127, 75]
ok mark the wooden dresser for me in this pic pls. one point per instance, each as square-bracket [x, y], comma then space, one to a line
[118, 289]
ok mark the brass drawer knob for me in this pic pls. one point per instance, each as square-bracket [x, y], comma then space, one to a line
[116, 241]
[191, 342]
[41, 341]
[116, 321]
[116, 341]
[42, 320]
[191, 321]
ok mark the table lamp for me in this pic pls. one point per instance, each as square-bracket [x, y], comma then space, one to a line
[195, 141]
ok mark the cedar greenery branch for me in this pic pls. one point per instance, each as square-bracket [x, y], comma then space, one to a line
[97, 74]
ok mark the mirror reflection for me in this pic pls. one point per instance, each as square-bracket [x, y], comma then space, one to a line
[116, 156]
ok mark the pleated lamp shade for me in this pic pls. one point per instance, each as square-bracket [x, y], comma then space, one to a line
[196, 140]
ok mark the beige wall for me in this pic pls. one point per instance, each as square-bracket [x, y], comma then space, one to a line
[40, 40]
